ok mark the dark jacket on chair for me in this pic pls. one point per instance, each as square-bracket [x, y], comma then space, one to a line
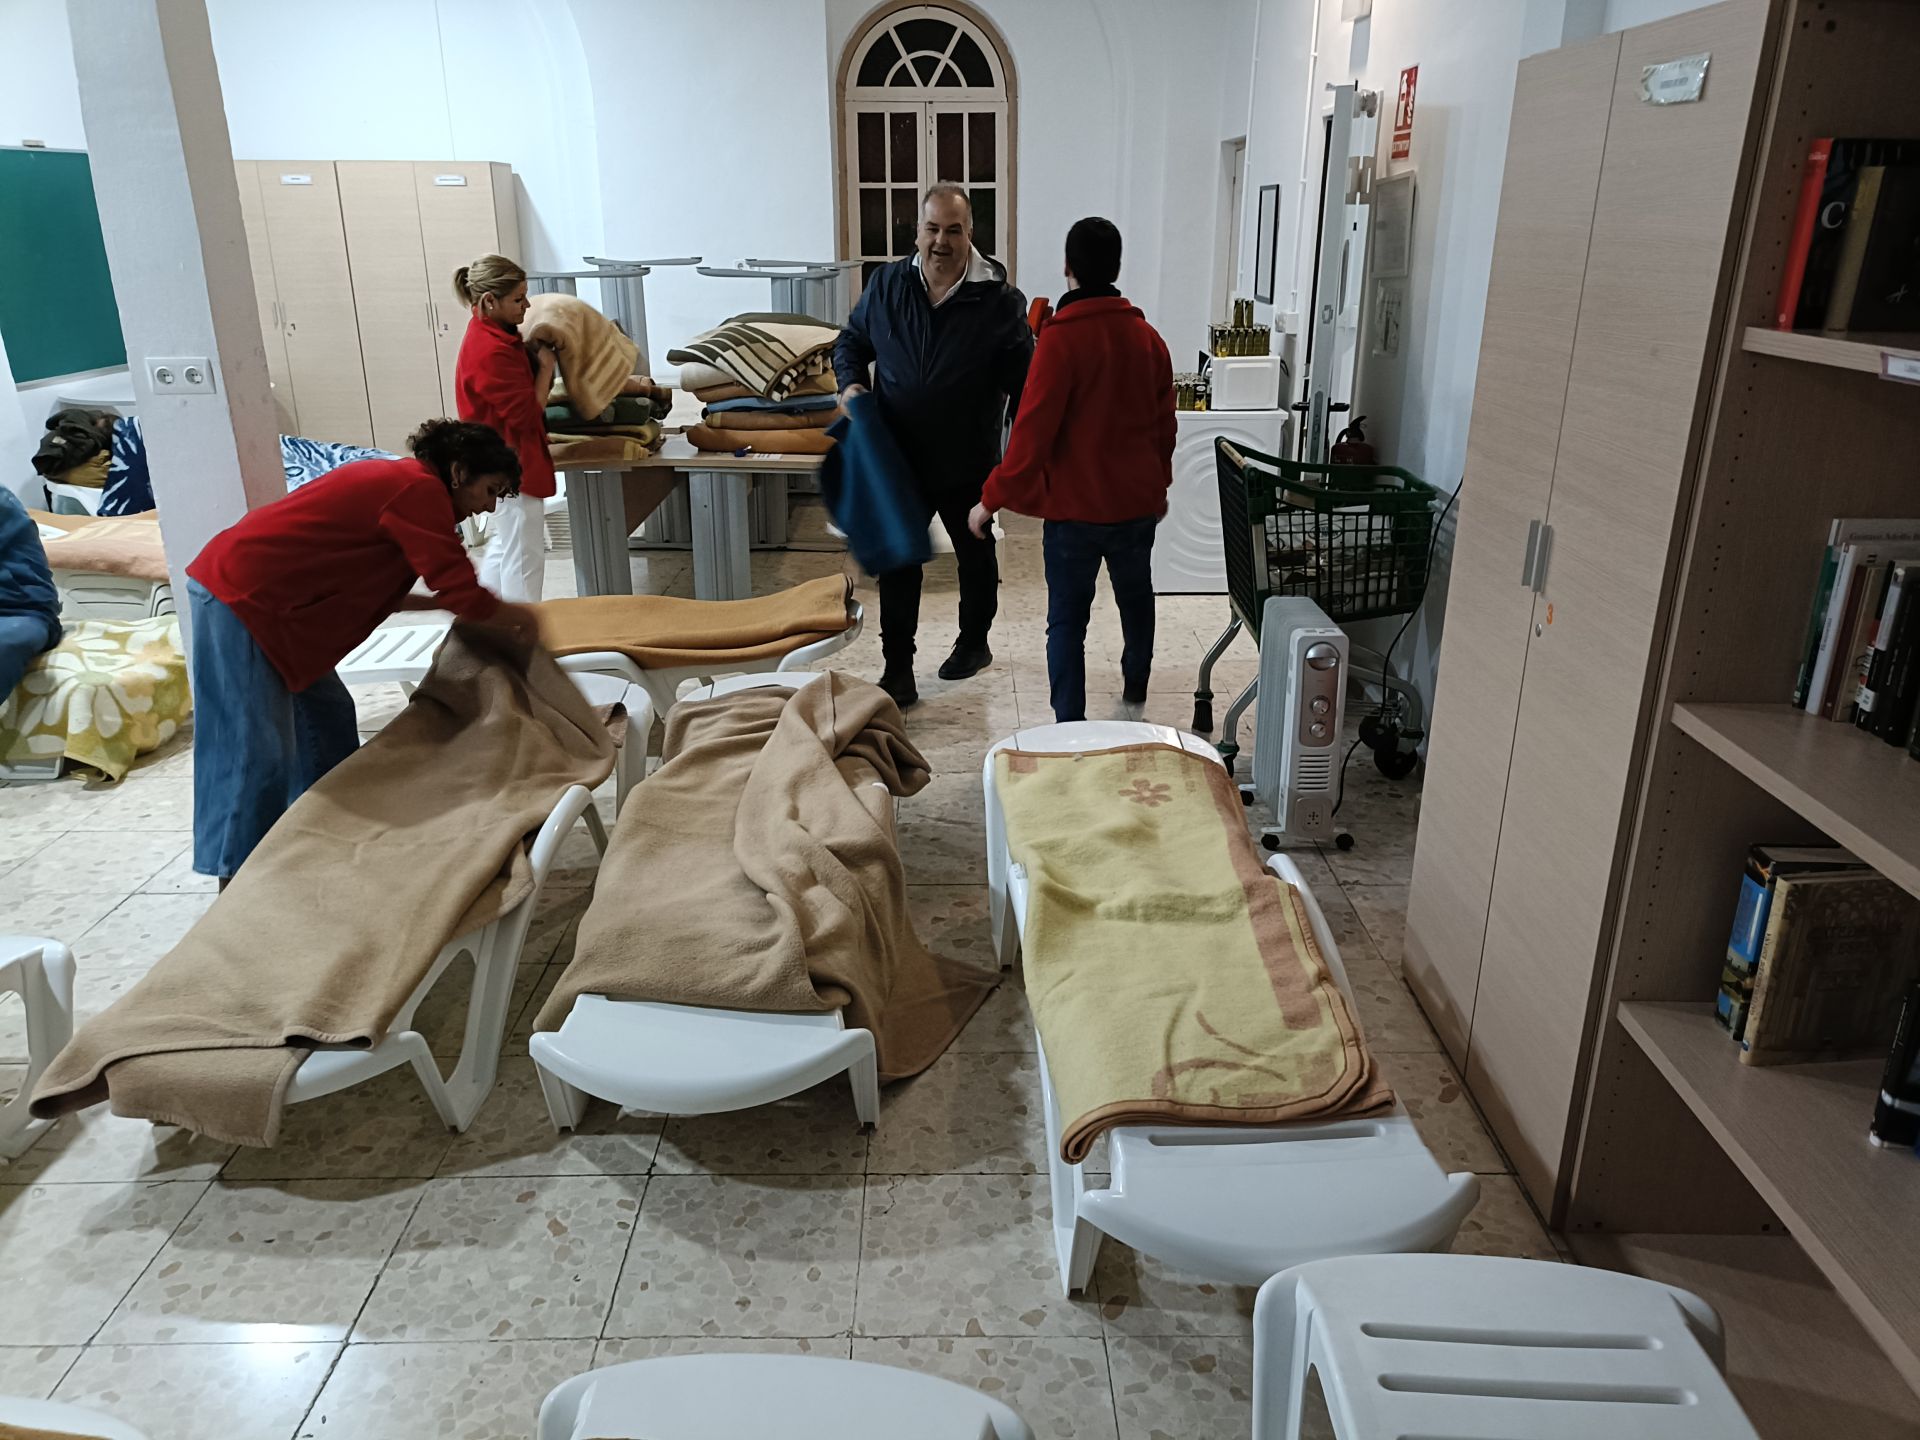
[943, 375]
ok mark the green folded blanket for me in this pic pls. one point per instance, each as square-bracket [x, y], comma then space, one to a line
[625, 410]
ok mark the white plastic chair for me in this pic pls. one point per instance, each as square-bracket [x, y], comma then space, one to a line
[753, 1397]
[40, 972]
[87, 595]
[54, 1418]
[630, 762]
[495, 949]
[690, 1060]
[1495, 1348]
[1231, 1203]
[402, 654]
[85, 499]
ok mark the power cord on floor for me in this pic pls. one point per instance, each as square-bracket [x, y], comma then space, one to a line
[1386, 663]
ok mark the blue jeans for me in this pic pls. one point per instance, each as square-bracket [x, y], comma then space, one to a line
[23, 638]
[1073, 551]
[257, 746]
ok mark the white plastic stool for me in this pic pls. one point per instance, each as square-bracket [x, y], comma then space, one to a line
[1494, 1348]
[40, 972]
[1229, 1203]
[57, 1419]
[690, 1060]
[757, 1397]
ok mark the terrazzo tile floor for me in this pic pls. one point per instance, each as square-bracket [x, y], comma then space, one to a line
[375, 1276]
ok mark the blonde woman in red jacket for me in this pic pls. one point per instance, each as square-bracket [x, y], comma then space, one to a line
[1092, 455]
[499, 381]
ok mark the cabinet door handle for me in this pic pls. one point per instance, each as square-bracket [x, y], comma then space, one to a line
[431, 326]
[1540, 563]
[1533, 548]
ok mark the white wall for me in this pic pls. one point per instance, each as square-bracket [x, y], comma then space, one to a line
[712, 142]
[1625, 14]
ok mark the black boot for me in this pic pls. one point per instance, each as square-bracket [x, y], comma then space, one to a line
[968, 659]
[897, 681]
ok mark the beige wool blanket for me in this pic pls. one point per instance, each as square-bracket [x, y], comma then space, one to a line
[126, 545]
[757, 870]
[334, 920]
[668, 632]
[1174, 978]
[595, 358]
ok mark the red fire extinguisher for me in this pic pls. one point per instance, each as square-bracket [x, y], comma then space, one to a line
[1351, 446]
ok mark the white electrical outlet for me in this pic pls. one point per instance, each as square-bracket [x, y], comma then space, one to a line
[180, 375]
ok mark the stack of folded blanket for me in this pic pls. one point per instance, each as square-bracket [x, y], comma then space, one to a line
[767, 383]
[628, 428]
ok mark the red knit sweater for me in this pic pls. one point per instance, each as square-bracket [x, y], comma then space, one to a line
[313, 574]
[1093, 440]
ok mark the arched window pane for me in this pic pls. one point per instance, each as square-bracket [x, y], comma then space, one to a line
[980, 146]
[934, 35]
[904, 126]
[926, 67]
[873, 146]
[985, 232]
[973, 62]
[949, 77]
[879, 60]
[950, 139]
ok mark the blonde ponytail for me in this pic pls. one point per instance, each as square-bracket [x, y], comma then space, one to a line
[489, 275]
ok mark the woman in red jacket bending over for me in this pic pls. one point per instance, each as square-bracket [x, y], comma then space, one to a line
[500, 381]
[1092, 455]
[282, 597]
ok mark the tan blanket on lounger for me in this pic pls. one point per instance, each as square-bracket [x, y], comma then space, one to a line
[596, 360]
[761, 442]
[1173, 978]
[17, 1432]
[667, 632]
[757, 870]
[334, 920]
[126, 545]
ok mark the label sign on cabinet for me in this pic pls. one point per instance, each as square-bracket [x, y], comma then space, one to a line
[449, 179]
[1675, 82]
[1904, 368]
[296, 179]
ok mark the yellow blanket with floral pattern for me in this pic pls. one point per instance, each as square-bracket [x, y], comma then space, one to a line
[106, 694]
[1173, 978]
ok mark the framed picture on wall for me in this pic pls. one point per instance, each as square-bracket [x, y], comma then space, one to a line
[1266, 244]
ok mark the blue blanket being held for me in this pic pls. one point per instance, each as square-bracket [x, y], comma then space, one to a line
[870, 491]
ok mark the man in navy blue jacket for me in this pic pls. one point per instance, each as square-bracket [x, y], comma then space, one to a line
[948, 342]
[29, 604]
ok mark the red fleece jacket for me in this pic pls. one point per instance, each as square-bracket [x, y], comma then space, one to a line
[493, 384]
[1094, 437]
[311, 575]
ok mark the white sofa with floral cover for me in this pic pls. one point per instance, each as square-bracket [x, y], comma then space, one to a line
[108, 693]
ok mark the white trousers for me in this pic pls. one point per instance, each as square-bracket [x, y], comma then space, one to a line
[515, 564]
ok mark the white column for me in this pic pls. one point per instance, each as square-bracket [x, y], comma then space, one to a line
[170, 214]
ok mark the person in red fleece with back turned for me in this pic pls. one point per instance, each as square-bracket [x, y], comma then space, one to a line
[283, 596]
[1092, 455]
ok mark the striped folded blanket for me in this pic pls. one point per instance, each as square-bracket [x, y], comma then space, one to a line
[768, 355]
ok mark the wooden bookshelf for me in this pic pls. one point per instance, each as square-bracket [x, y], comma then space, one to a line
[1797, 1360]
[1799, 1135]
[1844, 352]
[1863, 792]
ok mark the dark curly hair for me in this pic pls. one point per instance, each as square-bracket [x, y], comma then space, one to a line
[440, 444]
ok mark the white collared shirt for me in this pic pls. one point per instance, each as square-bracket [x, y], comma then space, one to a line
[979, 267]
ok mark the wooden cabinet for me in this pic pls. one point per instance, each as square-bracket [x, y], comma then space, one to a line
[353, 266]
[390, 293]
[467, 210]
[272, 333]
[1587, 414]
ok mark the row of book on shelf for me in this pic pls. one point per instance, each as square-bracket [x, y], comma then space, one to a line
[1853, 261]
[1824, 964]
[1860, 664]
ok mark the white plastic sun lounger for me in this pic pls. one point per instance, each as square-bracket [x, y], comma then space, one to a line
[402, 653]
[754, 1397]
[495, 951]
[1235, 1203]
[689, 1060]
[40, 972]
[54, 1418]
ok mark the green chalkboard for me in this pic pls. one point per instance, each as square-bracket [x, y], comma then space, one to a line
[57, 312]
